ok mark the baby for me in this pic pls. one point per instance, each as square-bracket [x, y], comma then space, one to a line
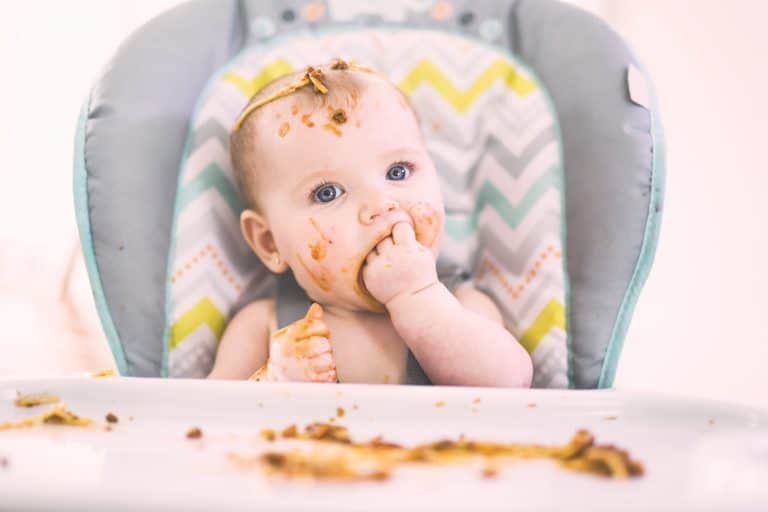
[340, 190]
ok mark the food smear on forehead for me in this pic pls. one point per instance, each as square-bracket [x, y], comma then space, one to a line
[306, 119]
[284, 129]
[312, 76]
[332, 127]
[338, 116]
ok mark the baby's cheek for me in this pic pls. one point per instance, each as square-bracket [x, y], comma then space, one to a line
[427, 223]
[318, 254]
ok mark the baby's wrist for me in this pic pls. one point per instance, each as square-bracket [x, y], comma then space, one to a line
[418, 307]
[408, 297]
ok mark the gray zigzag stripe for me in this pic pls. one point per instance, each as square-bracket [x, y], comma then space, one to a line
[195, 283]
[514, 165]
[208, 130]
[534, 301]
[257, 285]
[550, 282]
[508, 252]
[472, 123]
[516, 256]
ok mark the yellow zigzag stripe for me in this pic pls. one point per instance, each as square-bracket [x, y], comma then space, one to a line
[268, 73]
[425, 71]
[553, 314]
[204, 312]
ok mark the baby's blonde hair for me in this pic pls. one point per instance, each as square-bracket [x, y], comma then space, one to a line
[340, 84]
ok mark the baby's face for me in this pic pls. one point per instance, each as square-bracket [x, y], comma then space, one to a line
[332, 191]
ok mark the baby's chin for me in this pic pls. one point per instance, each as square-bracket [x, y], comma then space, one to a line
[360, 301]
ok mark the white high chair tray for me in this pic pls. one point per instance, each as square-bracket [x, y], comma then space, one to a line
[697, 455]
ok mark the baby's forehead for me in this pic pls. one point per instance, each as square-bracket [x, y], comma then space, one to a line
[360, 100]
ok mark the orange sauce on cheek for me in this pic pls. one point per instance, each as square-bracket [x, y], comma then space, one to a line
[319, 250]
[353, 273]
[323, 279]
[427, 223]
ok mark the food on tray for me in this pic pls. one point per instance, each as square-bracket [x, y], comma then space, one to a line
[111, 418]
[290, 431]
[34, 399]
[194, 433]
[58, 415]
[104, 373]
[268, 434]
[336, 456]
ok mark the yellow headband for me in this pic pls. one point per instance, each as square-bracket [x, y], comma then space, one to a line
[311, 75]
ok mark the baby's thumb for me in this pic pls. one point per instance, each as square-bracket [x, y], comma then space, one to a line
[312, 324]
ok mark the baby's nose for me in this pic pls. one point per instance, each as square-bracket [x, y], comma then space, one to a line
[373, 209]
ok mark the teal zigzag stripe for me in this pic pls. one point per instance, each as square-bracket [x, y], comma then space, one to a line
[211, 177]
[460, 227]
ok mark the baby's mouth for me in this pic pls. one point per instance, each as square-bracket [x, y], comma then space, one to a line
[379, 239]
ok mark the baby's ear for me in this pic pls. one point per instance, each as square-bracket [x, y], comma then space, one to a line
[258, 234]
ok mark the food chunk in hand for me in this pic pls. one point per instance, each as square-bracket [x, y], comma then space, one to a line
[300, 352]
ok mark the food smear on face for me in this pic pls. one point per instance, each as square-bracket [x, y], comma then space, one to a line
[323, 235]
[284, 129]
[353, 271]
[332, 127]
[306, 119]
[323, 278]
[427, 223]
[339, 116]
[319, 250]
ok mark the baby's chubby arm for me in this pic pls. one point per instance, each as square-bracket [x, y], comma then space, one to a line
[458, 341]
[244, 347]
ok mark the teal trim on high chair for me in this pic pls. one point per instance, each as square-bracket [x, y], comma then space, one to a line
[80, 188]
[648, 247]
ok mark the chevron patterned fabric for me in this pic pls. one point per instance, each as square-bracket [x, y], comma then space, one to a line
[493, 136]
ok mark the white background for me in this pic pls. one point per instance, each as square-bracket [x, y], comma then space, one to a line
[699, 328]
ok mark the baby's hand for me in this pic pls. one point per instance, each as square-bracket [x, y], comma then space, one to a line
[398, 265]
[301, 351]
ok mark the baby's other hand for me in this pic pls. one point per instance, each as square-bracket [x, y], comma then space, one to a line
[301, 351]
[398, 265]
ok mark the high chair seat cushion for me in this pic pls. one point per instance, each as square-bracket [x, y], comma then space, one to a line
[135, 121]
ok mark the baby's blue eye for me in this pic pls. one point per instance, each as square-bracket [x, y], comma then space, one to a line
[398, 172]
[327, 193]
